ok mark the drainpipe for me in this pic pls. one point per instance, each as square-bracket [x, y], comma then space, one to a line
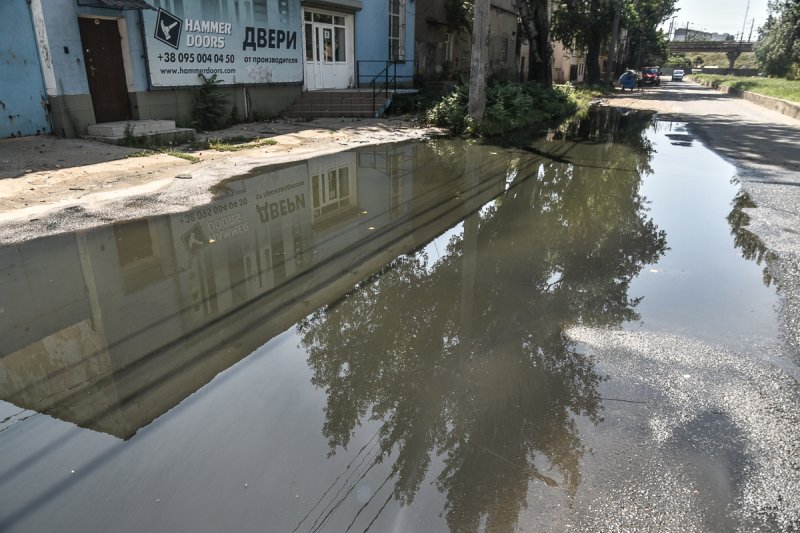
[45, 61]
[144, 52]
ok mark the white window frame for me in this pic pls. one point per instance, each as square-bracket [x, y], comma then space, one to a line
[397, 10]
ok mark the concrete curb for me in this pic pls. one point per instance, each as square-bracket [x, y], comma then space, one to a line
[790, 109]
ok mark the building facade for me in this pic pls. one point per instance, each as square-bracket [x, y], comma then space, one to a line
[443, 45]
[23, 102]
[116, 60]
[73, 63]
[385, 33]
[568, 65]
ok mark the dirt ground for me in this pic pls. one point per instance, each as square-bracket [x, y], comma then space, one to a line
[48, 184]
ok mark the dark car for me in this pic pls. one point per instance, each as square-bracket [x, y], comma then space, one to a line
[651, 76]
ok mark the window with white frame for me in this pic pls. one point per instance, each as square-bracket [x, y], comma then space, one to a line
[397, 30]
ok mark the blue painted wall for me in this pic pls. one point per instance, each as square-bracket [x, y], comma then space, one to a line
[22, 97]
[64, 38]
[372, 40]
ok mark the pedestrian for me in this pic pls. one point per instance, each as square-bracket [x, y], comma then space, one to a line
[639, 81]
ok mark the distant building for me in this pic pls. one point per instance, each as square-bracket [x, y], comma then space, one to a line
[683, 35]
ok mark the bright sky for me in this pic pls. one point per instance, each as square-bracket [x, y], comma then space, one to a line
[720, 16]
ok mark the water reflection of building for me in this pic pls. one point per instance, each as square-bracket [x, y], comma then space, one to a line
[111, 328]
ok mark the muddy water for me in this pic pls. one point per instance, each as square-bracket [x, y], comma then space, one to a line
[448, 335]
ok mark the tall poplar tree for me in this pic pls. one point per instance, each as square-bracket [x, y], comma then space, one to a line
[535, 18]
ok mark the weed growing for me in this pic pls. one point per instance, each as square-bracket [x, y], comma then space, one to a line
[511, 106]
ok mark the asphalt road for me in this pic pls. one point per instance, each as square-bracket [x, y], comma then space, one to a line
[765, 148]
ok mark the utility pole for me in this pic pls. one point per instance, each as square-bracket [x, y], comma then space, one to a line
[477, 71]
[612, 46]
[750, 37]
[744, 24]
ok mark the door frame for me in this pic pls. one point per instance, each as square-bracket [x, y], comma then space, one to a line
[320, 74]
[127, 66]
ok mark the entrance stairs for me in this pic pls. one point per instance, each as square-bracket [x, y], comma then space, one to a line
[139, 132]
[356, 103]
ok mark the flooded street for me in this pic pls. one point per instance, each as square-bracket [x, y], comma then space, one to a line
[572, 332]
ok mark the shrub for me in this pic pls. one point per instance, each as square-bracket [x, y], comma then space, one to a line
[209, 104]
[451, 111]
[509, 106]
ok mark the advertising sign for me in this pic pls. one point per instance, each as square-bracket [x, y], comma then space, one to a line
[252, 42]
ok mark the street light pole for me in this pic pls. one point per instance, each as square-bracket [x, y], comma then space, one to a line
[744, 24]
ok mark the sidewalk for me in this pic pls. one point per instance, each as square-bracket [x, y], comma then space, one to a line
[40, 177]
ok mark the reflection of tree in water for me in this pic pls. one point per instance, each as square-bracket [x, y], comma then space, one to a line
[466, 357]
[753, 248]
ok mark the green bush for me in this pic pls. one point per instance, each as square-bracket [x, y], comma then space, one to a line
[509, 106]
[209, 104]
[451, 111]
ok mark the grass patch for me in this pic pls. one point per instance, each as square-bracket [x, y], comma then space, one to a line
[775, 87]
[143, 153]
[231, 144]
[174, 153]
[227, 144]
[183, 155]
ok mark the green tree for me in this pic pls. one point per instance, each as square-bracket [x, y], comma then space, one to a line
[587, 24]
[647, 44]
[459, 15]
[778, 48]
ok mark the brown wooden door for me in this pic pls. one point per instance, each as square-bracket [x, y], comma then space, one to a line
[102, 54]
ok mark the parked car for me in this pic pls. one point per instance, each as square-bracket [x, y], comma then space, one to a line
[651, 76]
[677, 75]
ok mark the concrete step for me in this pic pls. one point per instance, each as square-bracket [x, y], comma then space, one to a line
[138, 127]
[334, 107]
[337, 104]
[331, 114]
[145, 132]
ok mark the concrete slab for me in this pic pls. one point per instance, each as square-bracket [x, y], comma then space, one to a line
[138, 128]
[171, 136]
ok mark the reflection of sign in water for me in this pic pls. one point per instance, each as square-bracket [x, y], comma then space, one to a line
[194, 240]
[168, 28]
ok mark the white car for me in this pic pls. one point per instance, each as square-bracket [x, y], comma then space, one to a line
[677, 75]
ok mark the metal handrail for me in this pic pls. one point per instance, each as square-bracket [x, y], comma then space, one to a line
[390, 67]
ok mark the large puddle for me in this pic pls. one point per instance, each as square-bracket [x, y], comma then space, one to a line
[442, 336]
